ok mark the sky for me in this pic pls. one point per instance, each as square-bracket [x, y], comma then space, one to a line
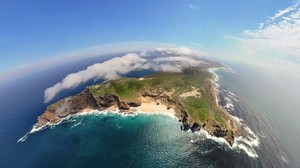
[253, 31]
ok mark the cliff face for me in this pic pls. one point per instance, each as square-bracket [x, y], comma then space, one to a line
[84, 101]
[67, 106]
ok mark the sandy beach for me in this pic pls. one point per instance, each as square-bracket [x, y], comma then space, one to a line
[152, 106]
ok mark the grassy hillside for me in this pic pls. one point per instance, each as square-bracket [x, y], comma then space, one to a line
[200, 108]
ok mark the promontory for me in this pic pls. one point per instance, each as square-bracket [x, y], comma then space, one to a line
[189, 95]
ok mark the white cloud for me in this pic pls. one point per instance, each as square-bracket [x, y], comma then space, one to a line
[110, 69]
[180, 51]
[282, 12]
[173, 61]
[180, 60]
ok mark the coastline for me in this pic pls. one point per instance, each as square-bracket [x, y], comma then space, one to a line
[194, 105]
[232, 122]
[245, 139]
[168, 113]
[242, 142]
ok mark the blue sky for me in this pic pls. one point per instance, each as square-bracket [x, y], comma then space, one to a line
[33, 30]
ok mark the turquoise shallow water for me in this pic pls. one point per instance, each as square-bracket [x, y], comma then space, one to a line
[110, 140]
[114, 140]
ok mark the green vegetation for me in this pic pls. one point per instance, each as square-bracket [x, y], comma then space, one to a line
[200, 108]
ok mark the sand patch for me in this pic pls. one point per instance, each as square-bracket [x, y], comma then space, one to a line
[193, 93]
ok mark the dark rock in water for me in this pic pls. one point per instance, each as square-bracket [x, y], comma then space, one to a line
[219, 132]
[195, 127]
[213, 128]
[185, 126]
[185, 122]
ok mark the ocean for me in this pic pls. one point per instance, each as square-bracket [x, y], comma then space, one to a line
[265, 105]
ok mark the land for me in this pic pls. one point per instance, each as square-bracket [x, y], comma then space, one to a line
[189, 95]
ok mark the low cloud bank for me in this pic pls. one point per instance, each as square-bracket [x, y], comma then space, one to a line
[173, 60]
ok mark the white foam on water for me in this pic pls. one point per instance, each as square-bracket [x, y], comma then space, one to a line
[249, 151]
[284, 159]
[157, 113]
[246, 144]
[126, 114]
[93, 112]
[229, 107]
[228, 69]
[249, 142]
[240, 143]
[76, 123]
[35, 128]
[23, 138]
[192, 141]
[238, 120]
[229, 98]
[232, 94]
[205, 135]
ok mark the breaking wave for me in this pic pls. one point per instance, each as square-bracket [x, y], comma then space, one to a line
[95, 113]
[248, 142]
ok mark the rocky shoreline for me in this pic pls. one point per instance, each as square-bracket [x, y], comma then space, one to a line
[86, 101]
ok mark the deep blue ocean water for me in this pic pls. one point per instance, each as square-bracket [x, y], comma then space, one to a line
[113, 140]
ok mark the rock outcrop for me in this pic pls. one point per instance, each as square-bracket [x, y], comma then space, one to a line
[84, 101]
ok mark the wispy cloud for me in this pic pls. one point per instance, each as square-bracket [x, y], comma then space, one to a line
[172, 60]
[282, 12]
[198, 44]
[281, 32]
[272, 43]
[193, 7]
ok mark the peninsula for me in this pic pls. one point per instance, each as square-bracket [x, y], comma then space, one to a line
[189, 95]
